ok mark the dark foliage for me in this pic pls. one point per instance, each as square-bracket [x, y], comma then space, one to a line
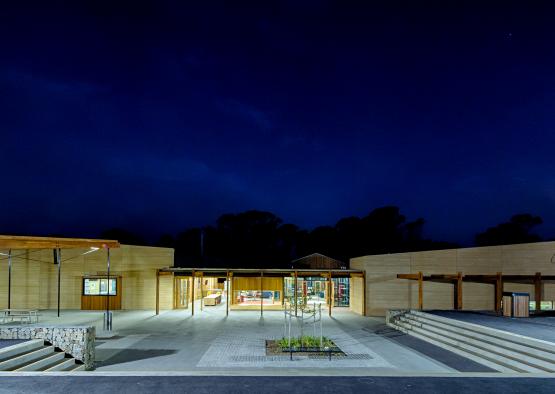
[260, 239]
[515, 231]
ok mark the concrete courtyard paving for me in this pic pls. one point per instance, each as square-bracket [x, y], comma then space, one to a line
[211, 342]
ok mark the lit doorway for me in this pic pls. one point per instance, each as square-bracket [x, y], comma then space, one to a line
[181, 287]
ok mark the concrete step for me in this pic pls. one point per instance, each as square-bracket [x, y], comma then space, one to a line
[476, 348]
[496, 346]
[43, 362]
[63, 365]
[532, 343]
[477, 358]
[20, 348]
[78, 367]
[21, 360]
[502, 351]
[485, 336]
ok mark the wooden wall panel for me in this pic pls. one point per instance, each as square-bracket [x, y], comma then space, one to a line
[434, 262]
[356, 295]
[253, 283]
[485, 260]
[37, 281]
[385, 291]
[528, 258]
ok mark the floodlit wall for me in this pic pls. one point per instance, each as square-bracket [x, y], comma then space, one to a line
[34, 277]
[356, 291]
[384, 291]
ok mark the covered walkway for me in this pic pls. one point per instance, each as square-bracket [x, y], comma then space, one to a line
[263, 281]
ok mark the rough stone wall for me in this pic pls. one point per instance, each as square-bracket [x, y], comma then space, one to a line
[75, 341]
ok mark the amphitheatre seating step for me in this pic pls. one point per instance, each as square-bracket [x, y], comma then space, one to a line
[500, 350]
[20, 348]
[35, 355]
[532, 355]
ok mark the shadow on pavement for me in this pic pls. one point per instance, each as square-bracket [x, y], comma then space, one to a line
[128, 355]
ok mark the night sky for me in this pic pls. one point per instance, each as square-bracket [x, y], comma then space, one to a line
[158, 116]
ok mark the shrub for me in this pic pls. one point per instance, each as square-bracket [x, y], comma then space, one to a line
[304, 341]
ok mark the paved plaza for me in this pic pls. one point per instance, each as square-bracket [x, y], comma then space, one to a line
[211, 342]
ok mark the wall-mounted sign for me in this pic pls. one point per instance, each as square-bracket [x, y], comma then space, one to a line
[99, 286]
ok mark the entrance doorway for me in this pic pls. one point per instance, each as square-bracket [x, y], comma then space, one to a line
[181, 292]
[315, 290]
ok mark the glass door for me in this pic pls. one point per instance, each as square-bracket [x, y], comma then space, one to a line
[341, 291]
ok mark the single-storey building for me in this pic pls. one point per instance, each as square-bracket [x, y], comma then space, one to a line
[68, 273]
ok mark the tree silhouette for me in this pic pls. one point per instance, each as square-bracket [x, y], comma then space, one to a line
[515, 231]
[260, 239]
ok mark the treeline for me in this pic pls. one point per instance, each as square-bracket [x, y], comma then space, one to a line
[261, 239]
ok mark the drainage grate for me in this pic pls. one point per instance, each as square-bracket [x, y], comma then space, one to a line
[358, 356]
[259, 359]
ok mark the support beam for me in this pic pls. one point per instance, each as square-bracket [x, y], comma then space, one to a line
[23, 242]
[9, 278]
[295, 292]
[420, 291]
[59, 262]
[498, 291]
[538, 291]
[261, 293]
[193, 293]
[330, 294]
[227, 293]
[157, 292]
[407, 276]
[459, 291]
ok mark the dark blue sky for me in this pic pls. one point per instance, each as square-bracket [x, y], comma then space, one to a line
[160, 116]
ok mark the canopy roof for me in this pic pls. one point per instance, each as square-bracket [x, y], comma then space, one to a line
[278, 272]
[25, 242]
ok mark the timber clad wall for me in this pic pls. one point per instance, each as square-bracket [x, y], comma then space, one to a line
[384, 291]
[34, 283]
[355, 295]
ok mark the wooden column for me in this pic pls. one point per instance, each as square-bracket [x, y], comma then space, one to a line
[498, 291]
[193, 293]
[201, 291]
[538, 290]
[157, 291]
[59, 260]
[295, 292]
[364, 293]
[261, 293]
[420, 291]
[330, 294]
[459, 291]
[227, 294]
[283, 291]
[10, 278]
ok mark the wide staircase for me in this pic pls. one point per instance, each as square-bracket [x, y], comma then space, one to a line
[500, 350]
[36, 355]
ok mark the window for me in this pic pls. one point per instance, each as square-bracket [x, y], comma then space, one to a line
[99, 286]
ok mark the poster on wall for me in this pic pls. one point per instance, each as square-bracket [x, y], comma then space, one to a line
[96, 286]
